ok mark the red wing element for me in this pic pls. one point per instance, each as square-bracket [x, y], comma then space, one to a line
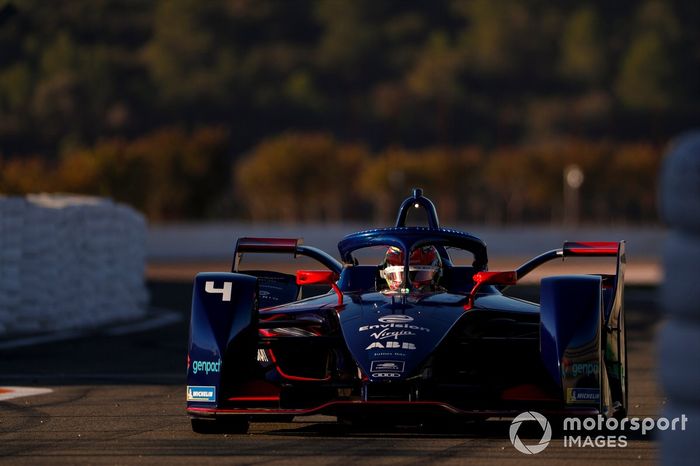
[496, 278]
[316, 277]
[320, 277]
[280, 245]
[591, 248]
[490, 278]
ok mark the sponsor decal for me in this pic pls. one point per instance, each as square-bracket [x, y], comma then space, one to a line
[391, 345]
[386, 374]
[582, 395]
[581, 368]
[205, 394]
[381, 366]
[395, 334]
[395, 319]
[206, 366]
[365, 328]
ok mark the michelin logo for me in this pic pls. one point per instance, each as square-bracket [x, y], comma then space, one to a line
[205, 394]
[582, 395]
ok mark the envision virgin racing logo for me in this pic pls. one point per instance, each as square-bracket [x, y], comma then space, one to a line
[395, 334]
[364, 328]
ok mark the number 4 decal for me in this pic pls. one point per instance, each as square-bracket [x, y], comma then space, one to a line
[225, 291]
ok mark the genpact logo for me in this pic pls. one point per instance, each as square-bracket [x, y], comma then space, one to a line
[530, 416]
[206, 366]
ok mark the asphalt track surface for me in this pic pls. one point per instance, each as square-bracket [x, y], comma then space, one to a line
[120, 400]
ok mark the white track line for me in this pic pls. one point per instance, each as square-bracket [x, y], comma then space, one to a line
[164, 376]
[40, 339]
[165, 318]
[162, 318]
[9, 393]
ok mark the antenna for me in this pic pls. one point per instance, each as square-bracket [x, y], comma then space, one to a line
[417, 200]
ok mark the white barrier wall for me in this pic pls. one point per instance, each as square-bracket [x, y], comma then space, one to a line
[679, 340]
[69, 262]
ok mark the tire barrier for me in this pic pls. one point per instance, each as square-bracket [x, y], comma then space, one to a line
[679, 339]
[69, 262]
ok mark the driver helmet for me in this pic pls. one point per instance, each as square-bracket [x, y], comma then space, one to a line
[424, 267]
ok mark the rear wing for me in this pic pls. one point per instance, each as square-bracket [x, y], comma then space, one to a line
[291, 246]
[578, 249]
[570, 249]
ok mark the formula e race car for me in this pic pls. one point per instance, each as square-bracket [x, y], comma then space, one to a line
[413, 337]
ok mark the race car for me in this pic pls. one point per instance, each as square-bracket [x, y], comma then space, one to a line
[415, 336]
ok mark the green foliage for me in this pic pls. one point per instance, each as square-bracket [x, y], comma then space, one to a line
[90, 84]
[185, 60]
[167, 174]
[296, 177]
[645, 80]
[299, 176]
[582, 47]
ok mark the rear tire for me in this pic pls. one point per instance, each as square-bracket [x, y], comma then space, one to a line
[624, 409]
[229, 425]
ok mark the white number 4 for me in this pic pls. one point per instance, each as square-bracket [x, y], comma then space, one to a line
[225, 291]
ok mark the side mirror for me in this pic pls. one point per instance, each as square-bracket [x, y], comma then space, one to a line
[316, 277]
[490, 278]
[496, 278]
[320, 277]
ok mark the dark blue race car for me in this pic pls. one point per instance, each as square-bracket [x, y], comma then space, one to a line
[414, 337]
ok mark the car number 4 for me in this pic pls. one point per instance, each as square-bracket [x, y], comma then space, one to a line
[225, 290]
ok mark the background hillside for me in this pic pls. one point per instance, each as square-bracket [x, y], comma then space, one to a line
[328, 110]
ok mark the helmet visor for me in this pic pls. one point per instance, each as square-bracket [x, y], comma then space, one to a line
[418, 275]
[422, 274]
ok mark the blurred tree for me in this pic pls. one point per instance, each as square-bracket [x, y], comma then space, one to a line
[496, 33]
[95, 81]
[447, 176]
[508, 173]
[633, 195]
[583, 50]
[644, 82]
[29, 174]
[647, 76]
[167, 174]
[185, 57]
[434, 79]
[299, 176]
[349, 42]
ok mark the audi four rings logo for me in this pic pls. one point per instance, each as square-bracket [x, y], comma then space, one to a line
[529, 416]
[395, 319]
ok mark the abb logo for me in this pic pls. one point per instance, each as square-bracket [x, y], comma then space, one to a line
[392, 344]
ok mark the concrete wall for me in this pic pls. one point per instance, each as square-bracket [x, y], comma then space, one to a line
[679, 340]
[69, 262]
[216, 240]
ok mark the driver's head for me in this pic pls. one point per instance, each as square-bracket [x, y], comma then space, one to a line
[424, 267]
